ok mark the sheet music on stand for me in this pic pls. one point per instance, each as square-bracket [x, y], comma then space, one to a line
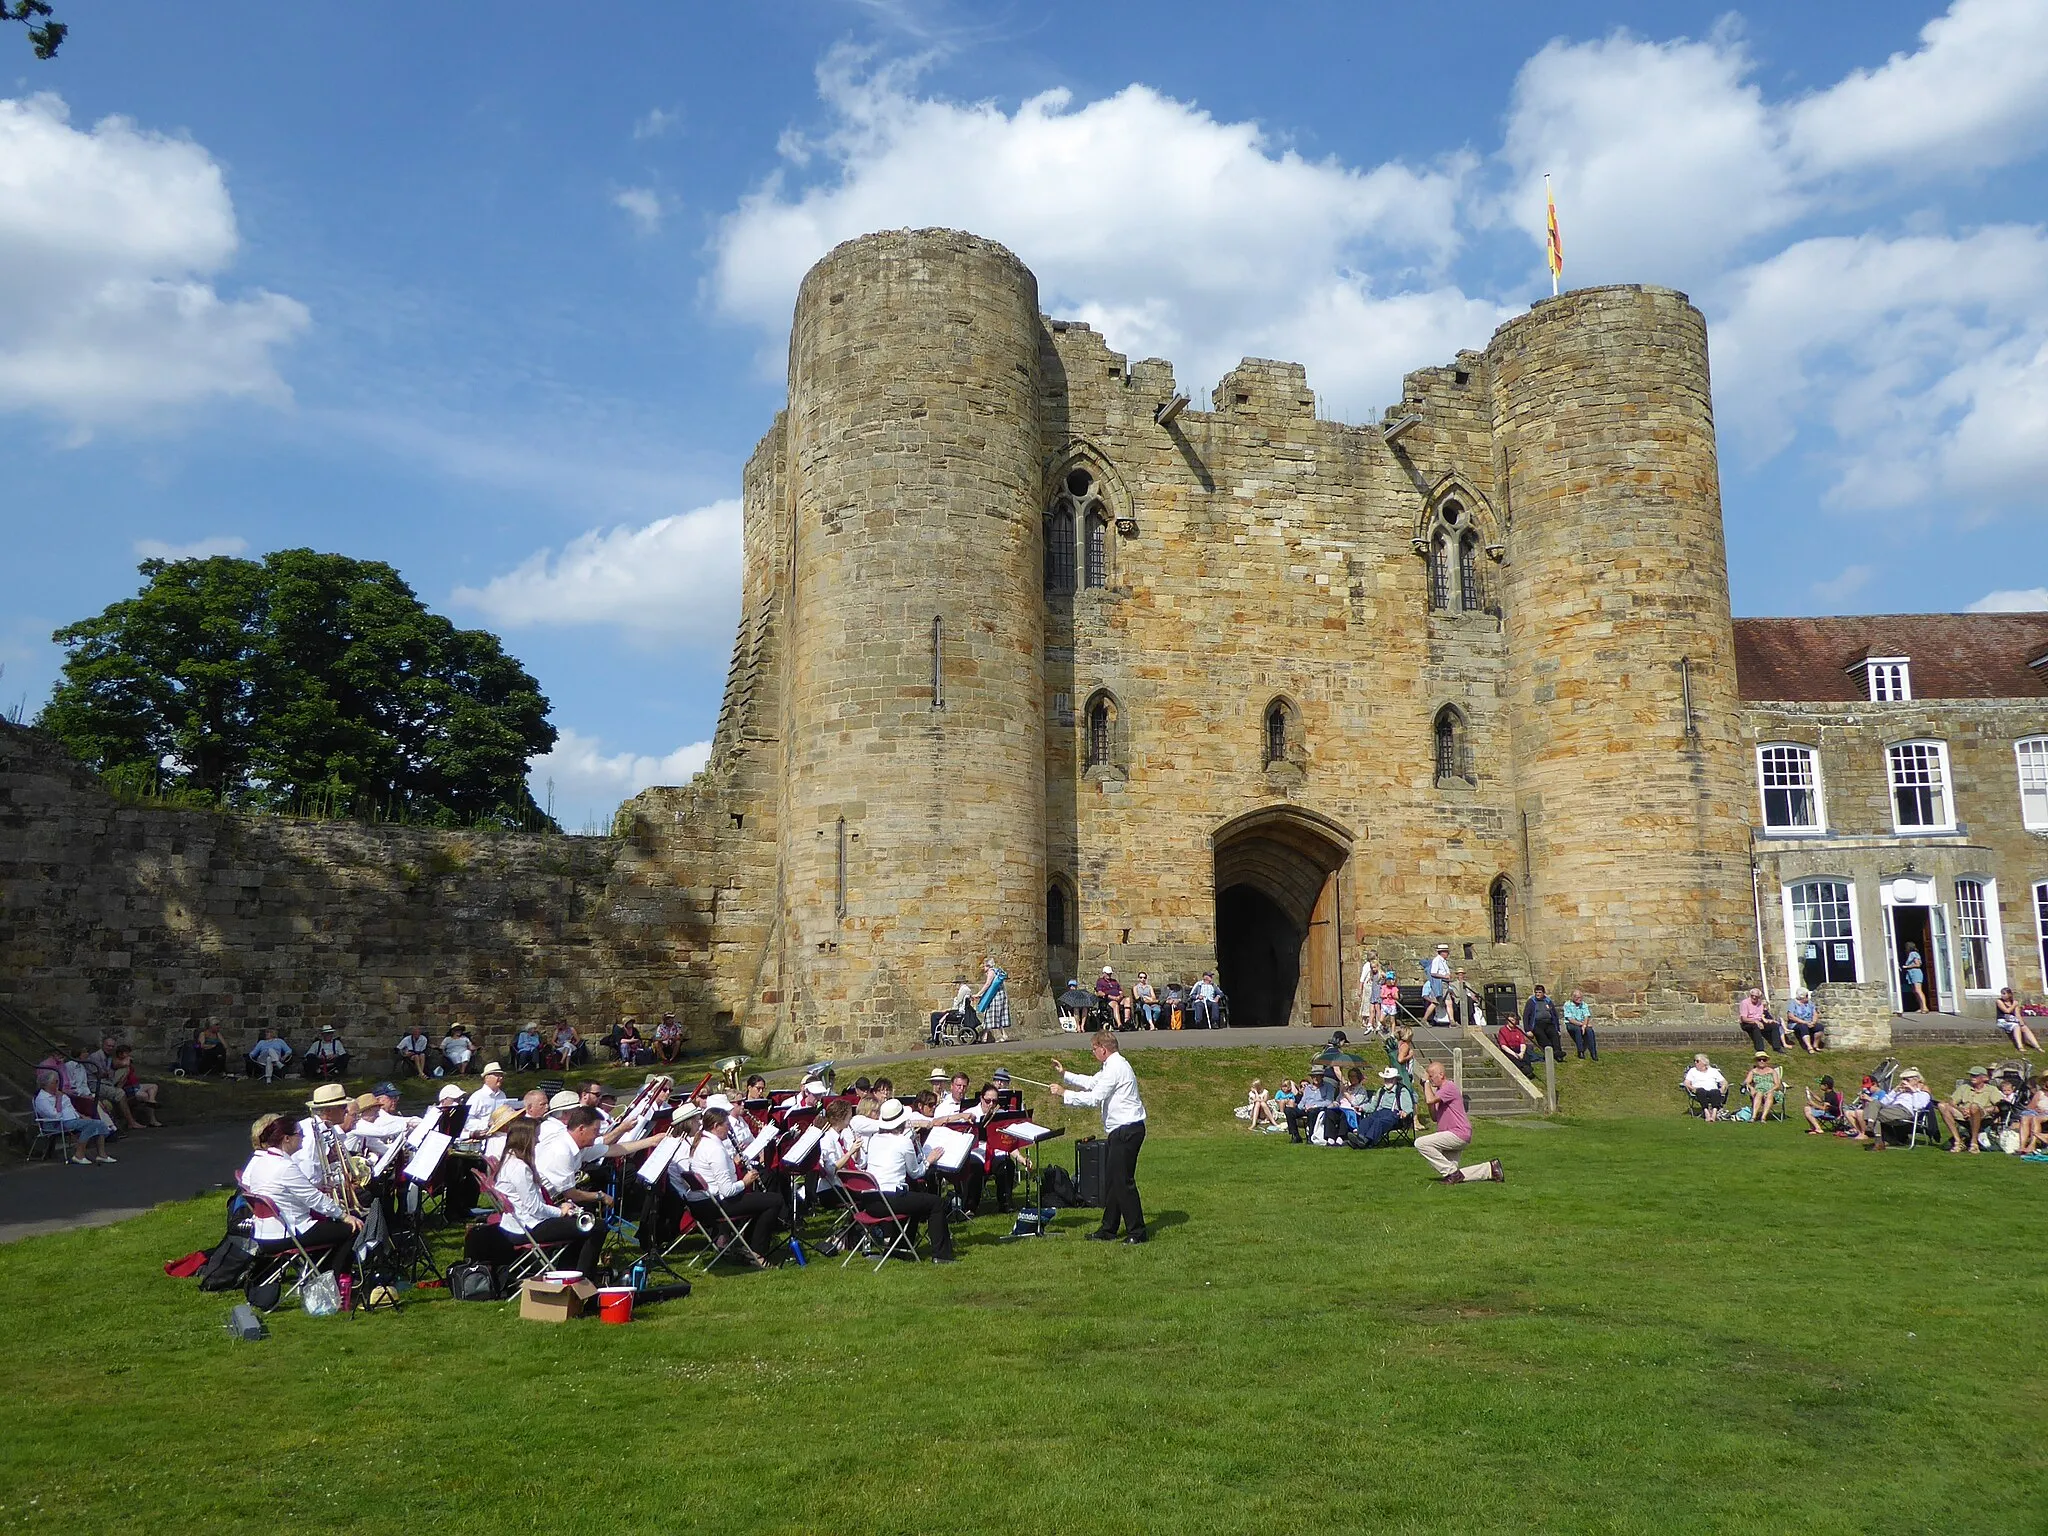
[1028, 1131]
[422, 1129]
[658, 1160]
[804, 1145]
[428, 1157]
[387, 1157]
[953, 1146]
[760, 1143]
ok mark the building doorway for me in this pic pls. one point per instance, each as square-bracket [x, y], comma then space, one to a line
[1921, 931]
[1279, 958]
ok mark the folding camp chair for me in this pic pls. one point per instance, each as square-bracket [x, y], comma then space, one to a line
[871, 1225]
[725, 1239]
[273, 1259]
[530, 1257]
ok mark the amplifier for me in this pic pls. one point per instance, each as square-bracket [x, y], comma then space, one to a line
[1089, 1154]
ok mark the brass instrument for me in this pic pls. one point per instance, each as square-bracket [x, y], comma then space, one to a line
[729, 1071]
[342, 1181]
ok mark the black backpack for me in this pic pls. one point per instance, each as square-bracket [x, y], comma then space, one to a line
[228, 1266]
[476, 1282]
[1058, 1188]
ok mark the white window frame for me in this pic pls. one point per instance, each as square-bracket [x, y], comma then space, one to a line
[2036, 747]
[2040, 895]
[1994, 933]
[1792, 933]
[1887, 679]
[1820, 807]
[1948, 787]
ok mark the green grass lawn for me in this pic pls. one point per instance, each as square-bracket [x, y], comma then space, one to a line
[1655, 1325]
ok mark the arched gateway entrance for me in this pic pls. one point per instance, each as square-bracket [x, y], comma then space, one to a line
[1278, 953]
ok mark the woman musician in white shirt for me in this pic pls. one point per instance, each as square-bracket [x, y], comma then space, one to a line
[304, 1209]
[746, 1205]
[526, 1211]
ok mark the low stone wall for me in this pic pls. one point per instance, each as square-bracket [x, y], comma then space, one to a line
[143, 919]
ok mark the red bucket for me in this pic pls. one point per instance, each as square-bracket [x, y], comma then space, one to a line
[615, 1304]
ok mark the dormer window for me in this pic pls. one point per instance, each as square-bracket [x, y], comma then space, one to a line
[1886, 679]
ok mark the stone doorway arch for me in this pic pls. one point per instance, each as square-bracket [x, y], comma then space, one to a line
[1279, 950]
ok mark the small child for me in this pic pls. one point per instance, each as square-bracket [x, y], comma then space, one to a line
[1390, 1002]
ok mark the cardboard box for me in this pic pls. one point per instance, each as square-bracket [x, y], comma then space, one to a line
[556, 1301]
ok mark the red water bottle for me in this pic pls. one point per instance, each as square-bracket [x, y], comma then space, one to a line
[346, 1282]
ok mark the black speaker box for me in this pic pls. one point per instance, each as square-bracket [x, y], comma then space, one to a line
[1089, 1163]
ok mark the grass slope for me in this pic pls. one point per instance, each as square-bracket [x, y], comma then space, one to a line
[1655, 1325]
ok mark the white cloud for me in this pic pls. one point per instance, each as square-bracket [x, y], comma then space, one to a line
[655, 123]
[1842, 587]
[1182, 236]
[678, 577]
[198, 549]
[643, 206]
[110, 237]
[588, 783]
[2024, 600]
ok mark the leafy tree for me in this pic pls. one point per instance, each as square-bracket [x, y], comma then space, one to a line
[297, 680]
[44, 36]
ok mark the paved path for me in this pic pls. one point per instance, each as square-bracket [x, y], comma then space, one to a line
[150, 1167]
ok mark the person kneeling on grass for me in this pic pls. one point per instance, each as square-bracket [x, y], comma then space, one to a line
[1706, 1087]
[1453, 1133]
[1824, 1110]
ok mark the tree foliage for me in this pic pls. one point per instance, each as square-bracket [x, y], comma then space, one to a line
[44, 35]
[302, 680]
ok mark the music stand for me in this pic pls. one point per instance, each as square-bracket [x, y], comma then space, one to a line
[1027, 1133]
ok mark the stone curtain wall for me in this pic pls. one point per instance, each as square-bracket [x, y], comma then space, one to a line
[138, 918]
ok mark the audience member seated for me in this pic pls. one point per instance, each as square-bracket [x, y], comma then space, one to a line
[1804, 1018]
[1763, 1083]
[57, 1114]
[1754, 1015]
[566, 1050]
[1515, 1045]
[411, 1051]
[1899, 1108]
[457, 1050]
[632, 1050]
[2033, 1121]
[1111, 991]
[1288, 1094]
[1261, 1112]
[2015, 1026]
[1973, 1102]
[1706, 1087]
[1390, 1108]
[207, 1053]
[668, 1040]
[1145, 1001]
[1824, 1110]
[1318, 1098]
[326, 1056]
[1205, 1003]
[99, 1081]
[1075, 1004]
[526, 1049]
[268, 1056]
[138, 1097]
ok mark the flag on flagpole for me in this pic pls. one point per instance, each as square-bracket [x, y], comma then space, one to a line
[1553, 242]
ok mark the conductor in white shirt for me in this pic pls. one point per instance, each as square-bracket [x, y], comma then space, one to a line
[1115, 1090]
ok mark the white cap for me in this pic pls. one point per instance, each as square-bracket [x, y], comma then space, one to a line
[816, 1085]
[567, 1099]
[450, 1091]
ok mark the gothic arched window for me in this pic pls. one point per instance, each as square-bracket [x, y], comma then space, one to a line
[1276, 732]
[1059, 548]
[1101, 732]
[1439, 571]
[1451, 544]
[1055, 915]
[1497, 908]
[1077, 512]
[1471, 594]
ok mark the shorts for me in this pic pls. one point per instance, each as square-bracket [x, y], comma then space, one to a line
[1915, 976]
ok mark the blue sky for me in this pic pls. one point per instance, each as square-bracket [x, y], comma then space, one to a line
[496, 294]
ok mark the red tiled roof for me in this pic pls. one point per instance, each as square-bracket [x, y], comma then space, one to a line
[1953, 655]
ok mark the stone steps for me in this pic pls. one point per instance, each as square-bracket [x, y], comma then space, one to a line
[1488, 1093]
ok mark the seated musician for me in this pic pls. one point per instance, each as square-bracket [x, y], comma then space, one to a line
[527, 1210]
[668, 1040]
[748, 1207]
[838, 1148]
[321, 1133]
[986, 1159]
[526, 1048]
[564, 1144]
[486, 1101]
[895, 1165]
[378, 1122]
[412, 1050]
[304, 1209]
[535, 1105]
[956, 1098]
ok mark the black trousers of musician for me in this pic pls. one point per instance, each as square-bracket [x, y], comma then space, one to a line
[331, 1241]
[915, 1206]
[971, 1179]
[1120, 1203]
[754, 1212]
[488, 1243]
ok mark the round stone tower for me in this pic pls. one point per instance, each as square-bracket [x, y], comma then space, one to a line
[1622, 701]
[912, 819]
